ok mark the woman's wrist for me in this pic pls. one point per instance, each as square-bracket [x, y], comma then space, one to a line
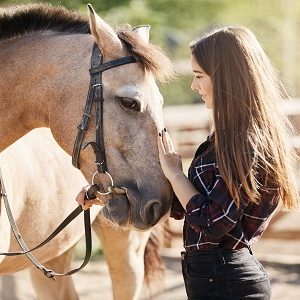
[176, 177]
[182, 187]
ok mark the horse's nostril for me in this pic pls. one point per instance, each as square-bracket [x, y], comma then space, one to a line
[151, 213]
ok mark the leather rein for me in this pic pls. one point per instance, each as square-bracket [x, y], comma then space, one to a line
[94, 98]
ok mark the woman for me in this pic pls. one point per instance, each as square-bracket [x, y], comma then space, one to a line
[239, 175]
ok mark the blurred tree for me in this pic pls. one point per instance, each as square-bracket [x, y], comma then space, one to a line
[105, 5]
[189, 13]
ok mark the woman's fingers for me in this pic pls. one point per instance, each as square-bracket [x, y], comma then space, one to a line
[87, 204]
[161, 147]
[167, 142]
[80, 198]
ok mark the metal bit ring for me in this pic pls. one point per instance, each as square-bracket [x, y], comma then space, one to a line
[111, 180]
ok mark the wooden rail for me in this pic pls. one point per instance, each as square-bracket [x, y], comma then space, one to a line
[189, 125]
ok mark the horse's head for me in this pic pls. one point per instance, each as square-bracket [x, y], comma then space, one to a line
[132, 118]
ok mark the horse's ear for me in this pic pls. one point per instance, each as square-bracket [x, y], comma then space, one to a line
[143, 32]
[106, 38]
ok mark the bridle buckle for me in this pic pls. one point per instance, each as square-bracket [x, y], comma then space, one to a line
[97, 84]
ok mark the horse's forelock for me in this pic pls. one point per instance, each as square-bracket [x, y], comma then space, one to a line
[150, 56]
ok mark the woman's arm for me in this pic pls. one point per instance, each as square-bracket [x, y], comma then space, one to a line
[172, 167]
[214, 213]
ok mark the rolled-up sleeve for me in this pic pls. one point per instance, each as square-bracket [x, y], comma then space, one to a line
[215, 213]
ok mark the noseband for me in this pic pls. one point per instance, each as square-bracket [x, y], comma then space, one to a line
[95, 95]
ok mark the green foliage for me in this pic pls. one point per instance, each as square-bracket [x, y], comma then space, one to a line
[99, 5]
[179, 92]
[104, 5]
[186, 14]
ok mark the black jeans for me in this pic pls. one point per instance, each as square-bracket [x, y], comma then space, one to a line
[224, 274]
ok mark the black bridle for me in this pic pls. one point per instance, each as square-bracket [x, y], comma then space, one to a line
[95, 96]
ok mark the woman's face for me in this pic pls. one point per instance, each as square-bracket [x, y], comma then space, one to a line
[202, 84]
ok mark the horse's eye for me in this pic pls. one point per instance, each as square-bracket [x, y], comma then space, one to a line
[130, 103]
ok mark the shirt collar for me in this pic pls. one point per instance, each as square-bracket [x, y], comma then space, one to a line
[210, 136]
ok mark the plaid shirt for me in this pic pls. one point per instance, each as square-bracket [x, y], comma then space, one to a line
[212, 218]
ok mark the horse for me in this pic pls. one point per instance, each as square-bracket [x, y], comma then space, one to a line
[38, 155]
[44, 54]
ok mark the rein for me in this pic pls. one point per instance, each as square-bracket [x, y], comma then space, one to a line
[95, 96]
[26, 251]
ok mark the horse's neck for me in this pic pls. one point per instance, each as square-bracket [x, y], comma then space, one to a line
[34, 78]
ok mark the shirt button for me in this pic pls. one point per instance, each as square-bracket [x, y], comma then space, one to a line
[211, 280]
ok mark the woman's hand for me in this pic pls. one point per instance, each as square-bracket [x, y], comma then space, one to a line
[172, 167]
[81, 199]
[169, 159]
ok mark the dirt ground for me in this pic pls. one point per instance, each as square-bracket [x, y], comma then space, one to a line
[280, 257]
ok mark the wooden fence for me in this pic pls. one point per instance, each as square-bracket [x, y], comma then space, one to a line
[190, 124]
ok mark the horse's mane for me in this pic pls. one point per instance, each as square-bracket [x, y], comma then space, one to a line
[20, 20]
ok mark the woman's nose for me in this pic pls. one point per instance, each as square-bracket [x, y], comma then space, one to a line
[193, 86]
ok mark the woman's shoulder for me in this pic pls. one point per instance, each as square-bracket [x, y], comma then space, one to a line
[205, 156]
[205, 162]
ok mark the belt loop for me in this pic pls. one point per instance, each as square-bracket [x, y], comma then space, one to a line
[221, 256]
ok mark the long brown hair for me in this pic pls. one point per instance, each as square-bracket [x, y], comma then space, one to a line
[251, 131]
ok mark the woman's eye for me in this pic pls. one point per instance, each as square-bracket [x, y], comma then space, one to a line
[130, 103]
